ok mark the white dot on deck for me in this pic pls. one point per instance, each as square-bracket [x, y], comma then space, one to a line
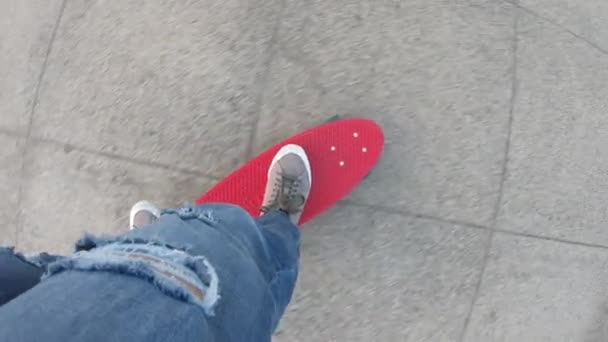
[333, 148]
[364, 149]
[355, 134]
[341, 163]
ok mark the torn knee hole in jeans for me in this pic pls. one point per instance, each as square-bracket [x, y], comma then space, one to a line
[174, 272]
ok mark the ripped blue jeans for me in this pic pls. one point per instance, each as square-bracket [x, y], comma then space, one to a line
[203, 273]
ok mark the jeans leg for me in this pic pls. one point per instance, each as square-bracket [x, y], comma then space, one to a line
[19, 273]
[270, 244]
[283, 241]
[95, 297]
[16, 275]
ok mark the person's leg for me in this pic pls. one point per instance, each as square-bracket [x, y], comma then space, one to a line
[244, 272]
[283, 240]
[208, 272]
[250, 256]
[18, 273]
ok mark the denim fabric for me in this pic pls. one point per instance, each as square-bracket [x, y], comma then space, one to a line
[245, 268]
[19, 273]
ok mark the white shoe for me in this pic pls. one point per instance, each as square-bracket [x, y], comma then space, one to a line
[142, 214]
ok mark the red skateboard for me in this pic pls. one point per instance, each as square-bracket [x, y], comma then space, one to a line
[341, 154]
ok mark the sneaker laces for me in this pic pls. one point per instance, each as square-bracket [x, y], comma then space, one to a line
[285, 195]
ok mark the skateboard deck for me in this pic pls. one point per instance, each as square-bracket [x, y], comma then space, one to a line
[341, 154]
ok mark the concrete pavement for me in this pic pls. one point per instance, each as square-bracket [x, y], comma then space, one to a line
[484, 221]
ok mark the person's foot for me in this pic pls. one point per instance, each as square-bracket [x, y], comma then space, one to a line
[143, 213]
[289, 182]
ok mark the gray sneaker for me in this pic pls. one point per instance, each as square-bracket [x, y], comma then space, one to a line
[289, 181]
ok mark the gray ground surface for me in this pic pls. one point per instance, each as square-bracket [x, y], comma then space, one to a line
[484, 221]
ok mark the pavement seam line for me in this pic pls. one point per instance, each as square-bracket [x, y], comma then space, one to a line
[552, 239]
[11, 133]
[273, 48]
[469, 225]
[28, 131]
[503, 175]
[68, 147]
[559, 26]
[409, 214]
